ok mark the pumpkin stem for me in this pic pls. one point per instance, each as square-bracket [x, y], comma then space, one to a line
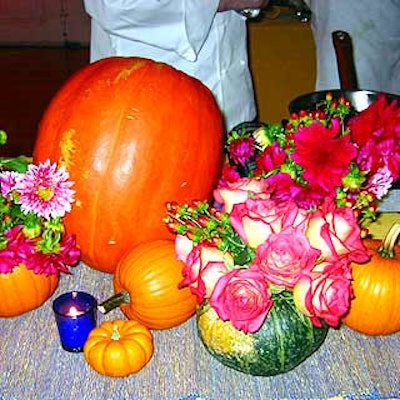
[115, 334]
[386, 249]
[114, 301]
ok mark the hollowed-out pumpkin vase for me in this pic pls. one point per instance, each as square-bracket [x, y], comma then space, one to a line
[285, 340]
[22, 290]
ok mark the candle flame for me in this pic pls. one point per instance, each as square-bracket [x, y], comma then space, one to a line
[74, 312]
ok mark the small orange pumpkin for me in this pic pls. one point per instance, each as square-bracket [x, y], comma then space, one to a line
[375, 309]
[22, 290]
[146, 282]
[118, 348]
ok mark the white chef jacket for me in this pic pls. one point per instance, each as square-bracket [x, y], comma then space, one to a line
[374, 26]
[187, 34]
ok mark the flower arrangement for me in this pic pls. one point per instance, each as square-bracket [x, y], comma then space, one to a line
[33, 201]
[286, 222]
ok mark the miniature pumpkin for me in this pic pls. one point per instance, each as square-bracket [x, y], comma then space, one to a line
[133, 134]
[146, 286]
[118, 348]
[375, 309]
[24, 290]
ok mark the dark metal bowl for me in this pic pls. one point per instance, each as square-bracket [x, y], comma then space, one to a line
[360, 99]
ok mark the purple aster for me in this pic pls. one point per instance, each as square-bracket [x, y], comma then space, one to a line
[45, 190]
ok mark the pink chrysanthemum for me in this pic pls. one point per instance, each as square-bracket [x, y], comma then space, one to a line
[7, 182]
[380, 183]
[45, 190]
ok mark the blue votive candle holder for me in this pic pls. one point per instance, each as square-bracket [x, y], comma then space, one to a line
[76, 316]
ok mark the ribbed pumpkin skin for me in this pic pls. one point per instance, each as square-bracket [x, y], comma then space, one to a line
[122, 356]
[283, 342]
[375, 309]
[134, 134]
[150, 273]
[22, 290]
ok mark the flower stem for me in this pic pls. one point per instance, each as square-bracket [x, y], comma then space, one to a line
[115, 301]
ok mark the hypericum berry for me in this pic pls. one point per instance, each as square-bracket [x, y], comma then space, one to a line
[216, 241]
[215, 212]
[302, 113]
[294, 116]
[357, 213]
[202, 220]
[171, 226]
[364, 233]
[289, 126]
[172, 206]
[321, 115]
[196, 203]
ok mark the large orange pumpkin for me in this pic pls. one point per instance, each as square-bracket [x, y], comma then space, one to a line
[146, 286]
[134, 134]
[22, 290]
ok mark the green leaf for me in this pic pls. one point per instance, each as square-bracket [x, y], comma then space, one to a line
[18, 164]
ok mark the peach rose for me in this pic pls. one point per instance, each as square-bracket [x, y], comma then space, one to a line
[242, 296]
[239, 191]
[183, 247]
[285, 257]
[325, 294]
[336, 232]
[256, 219]
[203, 267]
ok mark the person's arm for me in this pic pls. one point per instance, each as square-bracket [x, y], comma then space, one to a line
[181, 26]
[225, 5]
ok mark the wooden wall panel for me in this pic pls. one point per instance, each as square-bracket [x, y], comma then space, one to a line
[43, 22]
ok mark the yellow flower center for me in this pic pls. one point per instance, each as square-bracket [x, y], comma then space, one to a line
[45, 193]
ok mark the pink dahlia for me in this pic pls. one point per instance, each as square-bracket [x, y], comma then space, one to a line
[376, 130]
[324, 155]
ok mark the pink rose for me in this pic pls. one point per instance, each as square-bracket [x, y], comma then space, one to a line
[336, 232]
[183, 247]
[203, 267]
[325, 294]
[285, 257]
[256, 219]
[242, 296]
[239, 191]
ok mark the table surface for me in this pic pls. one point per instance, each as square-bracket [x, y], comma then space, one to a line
[34, 366]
